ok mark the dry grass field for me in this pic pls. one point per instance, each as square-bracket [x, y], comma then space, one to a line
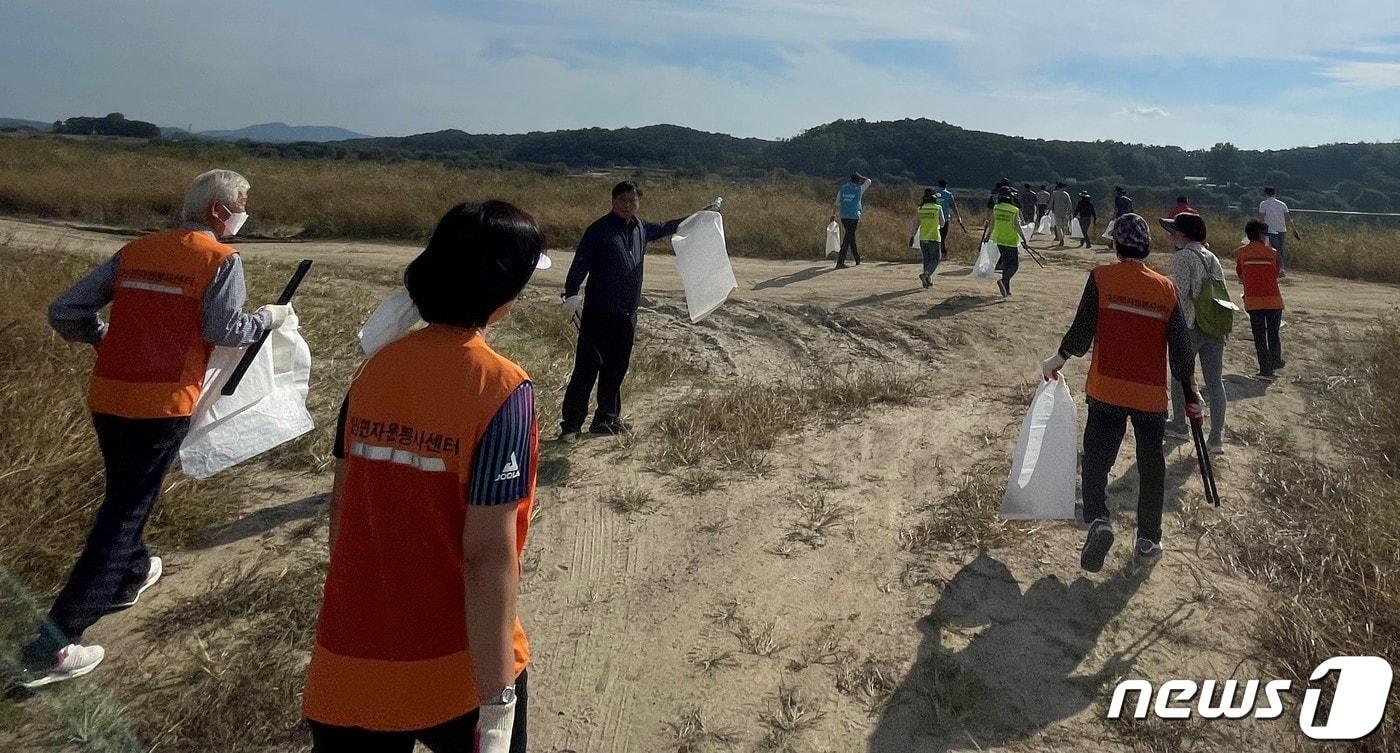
[797, 550]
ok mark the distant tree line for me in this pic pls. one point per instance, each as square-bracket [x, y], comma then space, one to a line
[1361, 177]
[114, 124]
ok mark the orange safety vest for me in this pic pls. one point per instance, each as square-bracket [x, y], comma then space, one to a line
[1129, 367]
[151, 362]
[391, 643]
[1257, 267]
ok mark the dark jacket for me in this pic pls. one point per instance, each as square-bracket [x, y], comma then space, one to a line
[611, 254]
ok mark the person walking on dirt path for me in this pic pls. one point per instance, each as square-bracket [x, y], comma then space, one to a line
[1060, 206]
[1042, 202]
[1257, 266]
[929, 225]
[1275, 213]
[1122, 204]
[174, 294]
[1192, 264]
[950, 212]
[1132, 318]
[436, 445]
[1182, 205]
[1007, 232]
[610, 255]
[1084, 212]
[849, 198]
[1027, 197]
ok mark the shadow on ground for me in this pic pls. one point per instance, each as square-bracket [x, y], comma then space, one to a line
[1017, 674]
[802, 275]
[266, 519]
[957, 304]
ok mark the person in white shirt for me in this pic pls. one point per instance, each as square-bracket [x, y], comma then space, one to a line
[1275, 214]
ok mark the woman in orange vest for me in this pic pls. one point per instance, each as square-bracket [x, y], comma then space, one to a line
[418, 638]
[175, 295]
[1129, 314]
[1257, 265]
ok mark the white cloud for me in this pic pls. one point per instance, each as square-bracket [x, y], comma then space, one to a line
[1143, 111]
[1364, 75]
[417, 66]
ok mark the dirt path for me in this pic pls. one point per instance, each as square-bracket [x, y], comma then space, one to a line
[1003, 647]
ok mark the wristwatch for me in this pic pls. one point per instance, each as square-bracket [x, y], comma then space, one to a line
[504, 698]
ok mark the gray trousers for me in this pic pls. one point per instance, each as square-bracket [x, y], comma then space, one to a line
[1211, 352]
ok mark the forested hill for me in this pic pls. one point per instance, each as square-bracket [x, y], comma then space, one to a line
[1342, 176]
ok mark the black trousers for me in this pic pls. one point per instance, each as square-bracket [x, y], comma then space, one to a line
[603, 354]
[136, 453]
[1010, 262]
[456, 736]
[943, 233]
[848, 241]
[1103, 435]
[1267, 346]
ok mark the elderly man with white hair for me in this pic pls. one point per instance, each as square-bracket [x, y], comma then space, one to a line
[174, 295]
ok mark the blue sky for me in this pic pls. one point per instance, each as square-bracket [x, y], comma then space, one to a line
[1259, 74]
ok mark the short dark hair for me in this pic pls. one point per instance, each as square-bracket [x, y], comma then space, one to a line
[1119, 189]
[855, 177]
[479, 258]
[1269, 191]
[942, 183]
[1256, 230]
[1182, 200]
[1131, 252]
[625, 186]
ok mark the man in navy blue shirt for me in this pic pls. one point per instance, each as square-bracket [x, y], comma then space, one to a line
[610, 255]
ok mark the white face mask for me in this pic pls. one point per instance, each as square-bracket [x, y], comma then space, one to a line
[234, 223]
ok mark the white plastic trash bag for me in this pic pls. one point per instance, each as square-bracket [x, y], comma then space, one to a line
[985, 268]
[1075, 231]
[914, 241]
[1047, 224]
[1108, 231]
[703, 263]
[395, 317]
[1028, 230]
[1041, 484]
[833, 238]
[267, 409]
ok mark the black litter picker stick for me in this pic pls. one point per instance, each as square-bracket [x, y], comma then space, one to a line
[1203, 458]
[1035, 257]
[252, 352]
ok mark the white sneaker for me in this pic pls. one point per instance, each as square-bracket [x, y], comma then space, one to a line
[152, 575]
[71, 661]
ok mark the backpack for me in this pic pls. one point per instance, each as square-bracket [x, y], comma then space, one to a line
[1215, 313]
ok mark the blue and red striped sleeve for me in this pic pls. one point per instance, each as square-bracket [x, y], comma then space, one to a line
[504, 462]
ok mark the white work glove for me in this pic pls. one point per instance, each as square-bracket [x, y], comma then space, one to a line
[277, 313]
[573, 305]
[1050, 367]
[494, 724]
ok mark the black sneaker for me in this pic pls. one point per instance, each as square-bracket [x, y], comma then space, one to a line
[840, 266]
[1148, 551]
[1265, 376]
[1096, 545]
[615, 426]
[923, 278]
[1001, 288]
[569, 435]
